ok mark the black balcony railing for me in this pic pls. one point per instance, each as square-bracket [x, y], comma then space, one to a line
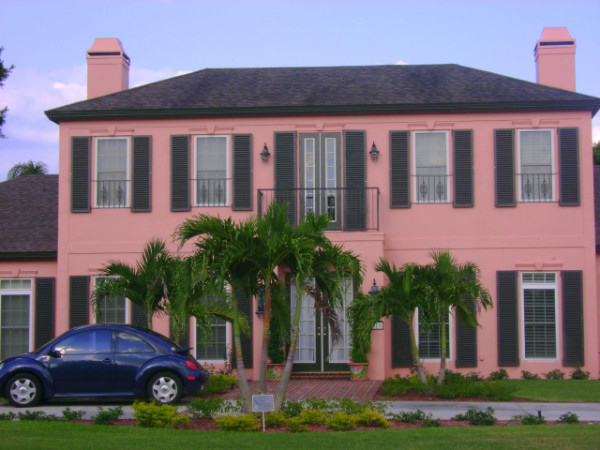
[537, 187]
[112, 193]
[211, 192]
[349, 209]
[432, 188]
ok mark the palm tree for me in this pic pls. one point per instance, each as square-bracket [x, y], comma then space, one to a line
[225, 246]
[400, 297]
[27, 168]
[145, 285]
[452, 286]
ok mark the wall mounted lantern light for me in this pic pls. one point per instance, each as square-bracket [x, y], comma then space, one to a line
[374, 152]
[374, 289]
[265, 153]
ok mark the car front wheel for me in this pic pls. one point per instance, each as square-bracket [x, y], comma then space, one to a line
[165, 387]
[23, 390]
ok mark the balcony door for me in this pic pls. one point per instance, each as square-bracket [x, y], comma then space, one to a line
[320, 176]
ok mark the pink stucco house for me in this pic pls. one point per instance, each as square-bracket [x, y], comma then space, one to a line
[404, 159]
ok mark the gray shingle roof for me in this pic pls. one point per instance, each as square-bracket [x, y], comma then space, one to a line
[342, 90]
[29, 217]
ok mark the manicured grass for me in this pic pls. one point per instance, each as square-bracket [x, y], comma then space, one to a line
[557, 390]
[34, 435]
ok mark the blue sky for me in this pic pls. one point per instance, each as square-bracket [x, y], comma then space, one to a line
[47, 40]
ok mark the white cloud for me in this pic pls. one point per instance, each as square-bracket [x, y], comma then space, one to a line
[401, 63]
[139, 77]
[596, 129]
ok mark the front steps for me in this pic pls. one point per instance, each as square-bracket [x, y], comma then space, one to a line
[320, 375]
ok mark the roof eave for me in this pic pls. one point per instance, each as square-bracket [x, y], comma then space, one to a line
[27, 256]
[57, 116]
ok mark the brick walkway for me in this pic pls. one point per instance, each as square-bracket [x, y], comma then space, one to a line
[362, 391]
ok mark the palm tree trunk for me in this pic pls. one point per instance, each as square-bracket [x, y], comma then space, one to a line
[442, 375]
[289, 363]
[264, 355]
[415, 350]
[239, 359]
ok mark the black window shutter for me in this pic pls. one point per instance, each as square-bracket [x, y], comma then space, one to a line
[355, 207]
[80, 174]
[463, 168]
[285, 171]
[242, 172]
[245, 307]
[399, 170]
[79, 298]
[505, 167]
[568, 155]
[508, 313]
[401, 347]
[45, 293]
[180, 173]
[466, 339]
[572, 310]
[142, 170]
[184, 336]
[139, 318]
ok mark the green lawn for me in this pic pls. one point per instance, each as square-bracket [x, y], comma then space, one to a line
[44, 435]
[557, 390]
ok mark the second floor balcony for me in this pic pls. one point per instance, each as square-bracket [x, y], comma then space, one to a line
[349, 209]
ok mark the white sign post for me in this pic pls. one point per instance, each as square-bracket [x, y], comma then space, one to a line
[263, 403]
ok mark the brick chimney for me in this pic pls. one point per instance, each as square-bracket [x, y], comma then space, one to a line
[107, 68]
[555, 58]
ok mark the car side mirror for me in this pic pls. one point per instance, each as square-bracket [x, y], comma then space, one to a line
[55, 353]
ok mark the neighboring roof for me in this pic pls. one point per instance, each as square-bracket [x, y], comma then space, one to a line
[327, 90]
[29, 212]
[597, 205]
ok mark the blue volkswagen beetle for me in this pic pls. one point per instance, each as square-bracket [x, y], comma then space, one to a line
[103, 360]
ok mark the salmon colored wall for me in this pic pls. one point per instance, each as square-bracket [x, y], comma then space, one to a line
[531, 236]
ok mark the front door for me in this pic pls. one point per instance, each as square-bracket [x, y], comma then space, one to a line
[320, 176]
[315, 349]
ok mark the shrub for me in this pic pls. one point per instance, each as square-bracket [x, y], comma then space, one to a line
[292, 409]
[478, 417]
[499, 374]
[347, 406]
[498, 392]
[370, 418]
[529, 376]
[8, 416]
[246, 422]
[181, 422]
[38, 416]
[295, 425]
[219, 384]
[569, 417]
[579, 374]
[555, 374]
[341, 422]
[429, 422]
[474, 376]
[209, 407]
[317, 403]
[313, 417]
[275, 419]
[154, 415]
[68, 415]
[411, 416]
[530, 419]
[106, 417]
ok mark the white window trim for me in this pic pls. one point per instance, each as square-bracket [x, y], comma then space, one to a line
[414, 168]
[556, 314]
[195, 168]
[127, 304]
[127, 172]
[552, 153]
[306, 297]
[228, 343]
[29, 292]
[450, 355]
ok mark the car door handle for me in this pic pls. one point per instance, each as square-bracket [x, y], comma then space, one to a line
[107, 361]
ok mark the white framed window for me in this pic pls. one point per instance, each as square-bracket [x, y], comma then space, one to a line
[211, 170]
[340, 351]
[430, 342]
[536, 166]
[431, 171]
[216, 347]
[540, 325]
[309, 176]
[305, 352]
[112, 172]
[112, 309]
[15, 317]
